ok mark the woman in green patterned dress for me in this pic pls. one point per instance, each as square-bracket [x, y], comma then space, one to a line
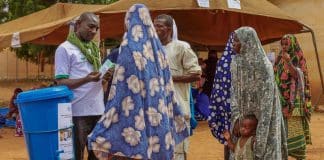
[292, 79]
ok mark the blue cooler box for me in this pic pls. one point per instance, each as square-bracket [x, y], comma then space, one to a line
[47, 123]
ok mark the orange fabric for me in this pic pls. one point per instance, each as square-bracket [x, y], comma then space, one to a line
[199, 26]
[45, 22]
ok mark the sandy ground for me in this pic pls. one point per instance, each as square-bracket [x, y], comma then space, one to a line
[202, 144]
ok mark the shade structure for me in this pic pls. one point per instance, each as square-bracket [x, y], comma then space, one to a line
[202, 27]
[207, 26]
[199, 26]
[52, 21]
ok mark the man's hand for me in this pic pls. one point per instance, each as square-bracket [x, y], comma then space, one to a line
[188, 78]
[186, 117]
[93, 77]
[75, 83]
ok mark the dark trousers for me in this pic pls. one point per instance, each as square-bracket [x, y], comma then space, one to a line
[83, 126]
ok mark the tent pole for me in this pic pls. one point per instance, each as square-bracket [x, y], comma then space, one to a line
[318, 64]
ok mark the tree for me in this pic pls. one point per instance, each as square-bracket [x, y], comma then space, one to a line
[89, 1]
[12, 9]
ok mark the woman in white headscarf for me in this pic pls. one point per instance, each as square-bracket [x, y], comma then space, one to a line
[254, 91]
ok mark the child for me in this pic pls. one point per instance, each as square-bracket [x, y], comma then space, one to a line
[14, 113]
[13, 109]
[243, 149]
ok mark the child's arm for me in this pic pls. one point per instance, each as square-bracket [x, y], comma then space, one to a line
[230, 143]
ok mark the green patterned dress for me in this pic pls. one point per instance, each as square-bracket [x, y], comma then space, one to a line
[295, 95]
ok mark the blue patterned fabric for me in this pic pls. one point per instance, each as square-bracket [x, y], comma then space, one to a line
[219, 119]
[201, 106]
[142, 119]
[193, 121]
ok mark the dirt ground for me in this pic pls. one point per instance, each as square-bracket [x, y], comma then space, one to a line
[202, 144]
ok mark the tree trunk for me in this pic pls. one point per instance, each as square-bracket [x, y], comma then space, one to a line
[26, 68]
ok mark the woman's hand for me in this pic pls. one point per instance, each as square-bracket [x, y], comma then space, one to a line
[109, 74]
[286, 57]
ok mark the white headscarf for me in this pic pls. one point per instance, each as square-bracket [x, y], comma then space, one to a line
[254, 91]
[175, 35]
[174, 31]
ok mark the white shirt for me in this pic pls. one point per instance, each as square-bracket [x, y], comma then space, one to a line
[182, 60]
[72, 64]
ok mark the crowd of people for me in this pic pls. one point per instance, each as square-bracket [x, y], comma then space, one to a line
[145, 110]
[247, 84]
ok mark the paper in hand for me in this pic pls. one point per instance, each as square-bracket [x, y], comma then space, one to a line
[105, 67]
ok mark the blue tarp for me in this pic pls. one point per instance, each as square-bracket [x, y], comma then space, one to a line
[3, 121]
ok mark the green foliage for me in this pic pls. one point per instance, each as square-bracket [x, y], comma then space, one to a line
[89, 1]
[19, 8]
[36, 53]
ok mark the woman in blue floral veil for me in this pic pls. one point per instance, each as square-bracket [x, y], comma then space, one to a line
[220, 117]
[142, 119]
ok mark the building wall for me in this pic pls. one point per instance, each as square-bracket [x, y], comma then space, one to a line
[309, 12]
[13, 68]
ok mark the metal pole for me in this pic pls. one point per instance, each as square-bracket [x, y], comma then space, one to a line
[7, 65]
[38, 62]
[27, 69]
[318, 63]
[16, 68]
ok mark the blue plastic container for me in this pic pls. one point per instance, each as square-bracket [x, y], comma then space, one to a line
[39, 114]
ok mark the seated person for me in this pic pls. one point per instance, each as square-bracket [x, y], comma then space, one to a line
[14, 112]
[13, 108]
[201, 101]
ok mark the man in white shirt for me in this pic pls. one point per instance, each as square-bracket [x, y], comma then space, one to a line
[184, 67]
[76, 65]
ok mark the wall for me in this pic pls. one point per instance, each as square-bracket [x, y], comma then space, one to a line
[13, 68]
[309, 12]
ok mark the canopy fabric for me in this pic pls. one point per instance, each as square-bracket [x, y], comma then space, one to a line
[45, 22]
[207, 26]
[199, 26]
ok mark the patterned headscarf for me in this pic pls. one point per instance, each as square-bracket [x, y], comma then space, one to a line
[250, 72]
[220, 109]
[254, 91]
[285, 80]
[142, 119]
